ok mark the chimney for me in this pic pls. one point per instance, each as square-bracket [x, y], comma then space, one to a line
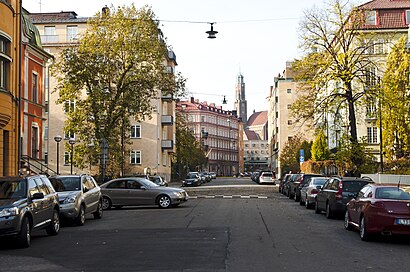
[192, 99]
[105, 12]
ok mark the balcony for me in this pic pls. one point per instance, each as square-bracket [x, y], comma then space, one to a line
[167, 144]
[167, 120]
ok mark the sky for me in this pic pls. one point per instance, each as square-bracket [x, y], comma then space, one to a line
[255, 38]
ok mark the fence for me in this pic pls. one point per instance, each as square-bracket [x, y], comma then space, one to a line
[387, 178]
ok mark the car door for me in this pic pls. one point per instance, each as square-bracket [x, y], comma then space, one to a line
[48, 200]
[117, 191]
[36, 205]
[139, 194]
[91, 193]
[322, 196]
[359, 203]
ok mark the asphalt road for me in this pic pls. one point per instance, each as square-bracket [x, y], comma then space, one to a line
[211, 232]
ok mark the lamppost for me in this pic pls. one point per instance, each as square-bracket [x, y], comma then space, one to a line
[58, 139]
[71, 142]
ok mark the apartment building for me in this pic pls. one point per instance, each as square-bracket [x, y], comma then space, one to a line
[152, 140]
[282, 125]
[223, 143]
[10, 60]
[256, 148]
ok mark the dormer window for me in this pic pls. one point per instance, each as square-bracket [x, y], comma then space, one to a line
[370, 17]
[408, 17]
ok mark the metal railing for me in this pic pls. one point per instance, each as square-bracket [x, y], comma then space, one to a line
[36, 166]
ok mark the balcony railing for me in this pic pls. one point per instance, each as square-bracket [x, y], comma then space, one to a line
[50, 39]
[167, 144]
[167, 119]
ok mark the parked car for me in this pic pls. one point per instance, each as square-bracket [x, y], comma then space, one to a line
[283, 182]
[291, 185]
[135, 191]
[192, 179]
[266, 177]
[205, 176]
[336, 192]
[308, 193]
[213, 175]
[379, 209]
[255, 176]
[302, 181]
[78, 195]
[26, 204]
[158, 180]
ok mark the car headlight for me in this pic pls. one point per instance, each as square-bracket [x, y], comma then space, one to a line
[9, 212]
[70, 199]
[178, 194]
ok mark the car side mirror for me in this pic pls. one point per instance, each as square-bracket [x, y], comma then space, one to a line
[85, 189]
[38, 196]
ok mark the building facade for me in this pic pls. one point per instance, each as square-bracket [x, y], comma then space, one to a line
[152, 140]
[10, 89]
[223, 127]
[282, 125]
[256, 148]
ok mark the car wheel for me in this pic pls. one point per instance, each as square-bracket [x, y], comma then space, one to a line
[99, 212]
[364, 235]
[106, 203]
[80, 219]
[54, 227]
[164, 201]
[317, 210]
[329, 213]
[23, 238]
[347, 221]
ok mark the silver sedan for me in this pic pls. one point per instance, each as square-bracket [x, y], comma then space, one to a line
[309, 191]
[135, 191]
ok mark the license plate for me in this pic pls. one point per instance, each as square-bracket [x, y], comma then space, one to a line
[403, 222]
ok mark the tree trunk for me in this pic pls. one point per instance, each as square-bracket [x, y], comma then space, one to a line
[352, 114]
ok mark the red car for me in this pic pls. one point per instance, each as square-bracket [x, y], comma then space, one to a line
[379, 209]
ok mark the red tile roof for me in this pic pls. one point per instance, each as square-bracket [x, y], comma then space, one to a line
[251, 135]
[386, 4]
[258, 118]
[390, 13]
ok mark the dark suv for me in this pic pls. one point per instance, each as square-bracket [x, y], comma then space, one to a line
[27, 203]
[78, 195]
[336, 192]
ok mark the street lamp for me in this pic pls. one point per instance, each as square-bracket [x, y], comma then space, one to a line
[71, 142]
[58, 139]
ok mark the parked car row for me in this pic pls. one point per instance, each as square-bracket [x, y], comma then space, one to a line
[198, 178]
[372, 209]
[264, 177]
[39, 202]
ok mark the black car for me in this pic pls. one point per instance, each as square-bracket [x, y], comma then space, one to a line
[303, 181]
[26, 204]
[192, 179]
[290, 185]
[336, 193]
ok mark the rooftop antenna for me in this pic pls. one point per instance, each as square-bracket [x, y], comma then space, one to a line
[40, 5]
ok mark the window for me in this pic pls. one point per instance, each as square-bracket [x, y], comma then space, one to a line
[289, 90]
[164, 159]
[5, 60]
[136, 131]
[408, 17]
[68, 135]
[34, 90]
[379, 46]
[371, 108]
[66, 158]
[49, 35]
[276, 99]
[370, 17]
[46, 133]
[69, 106]
[277, 114]
[202, 118]
[289, 106]
[290, 122]
[119, 184]
[372, 135]
[135, 157]
[72, 32]
[32, 188]
[371, 79]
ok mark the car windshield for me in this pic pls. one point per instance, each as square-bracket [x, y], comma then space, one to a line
[191, 176]
[318, 182]
[147, 183]
[13, 189]
[393, 193]
[353, 186]
[62, 184]
[267, 174]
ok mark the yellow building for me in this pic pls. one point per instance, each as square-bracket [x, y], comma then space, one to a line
[9, 85]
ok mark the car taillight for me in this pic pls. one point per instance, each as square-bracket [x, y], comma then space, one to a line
[339, 190]
[314, 191]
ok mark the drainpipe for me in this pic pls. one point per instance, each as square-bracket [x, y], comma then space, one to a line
[20, 42]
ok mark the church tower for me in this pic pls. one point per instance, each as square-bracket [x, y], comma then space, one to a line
[240, 101]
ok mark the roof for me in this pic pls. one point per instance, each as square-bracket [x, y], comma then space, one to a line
[386, 4]
[57, 17]
[258, 118]
[390, 13]
[251, 135]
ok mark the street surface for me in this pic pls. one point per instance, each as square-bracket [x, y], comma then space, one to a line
[227, 225]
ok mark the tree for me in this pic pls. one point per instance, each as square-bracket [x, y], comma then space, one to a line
[113, 75]
[289, 157]
[396, 102]
[189, 152]
[320, 149]
[336, 72]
